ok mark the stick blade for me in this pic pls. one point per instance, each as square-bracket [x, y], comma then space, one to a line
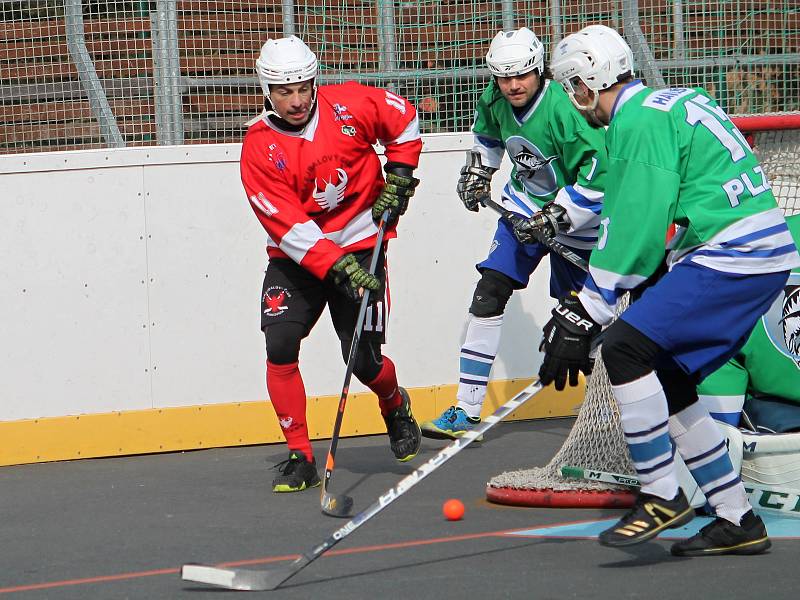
[336, 505]
[236, 579]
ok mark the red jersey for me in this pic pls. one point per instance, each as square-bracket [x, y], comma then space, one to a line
[313, 190]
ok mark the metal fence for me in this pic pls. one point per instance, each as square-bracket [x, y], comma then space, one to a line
[109, 73]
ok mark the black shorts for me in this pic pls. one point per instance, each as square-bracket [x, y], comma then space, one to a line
[292, 294]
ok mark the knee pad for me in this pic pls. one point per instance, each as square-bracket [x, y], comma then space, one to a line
[283, 342]
[627, 353]
[491, 294]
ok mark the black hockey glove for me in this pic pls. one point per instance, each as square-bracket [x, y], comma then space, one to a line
[474, 182]
[567, 343]
[349, 277]
[399, 187]
[542, 226]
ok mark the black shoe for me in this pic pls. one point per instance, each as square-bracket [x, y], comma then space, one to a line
[649, 516]
[405, 436]
[723, 537]
[296, 475]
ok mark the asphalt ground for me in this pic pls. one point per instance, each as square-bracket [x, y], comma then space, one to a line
[120, 528]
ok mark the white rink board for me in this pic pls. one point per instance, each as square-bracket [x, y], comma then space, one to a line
[81, 231]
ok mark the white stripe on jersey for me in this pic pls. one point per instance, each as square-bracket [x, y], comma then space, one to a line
[731, 252]
[299, 240]
[359, 228]
[490, 156]
[411, 132]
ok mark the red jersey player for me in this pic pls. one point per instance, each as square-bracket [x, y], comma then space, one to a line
[314, 182]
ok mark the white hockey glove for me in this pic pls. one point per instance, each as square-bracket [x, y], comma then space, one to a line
[474, 182]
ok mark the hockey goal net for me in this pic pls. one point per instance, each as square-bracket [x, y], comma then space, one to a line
[595, 441]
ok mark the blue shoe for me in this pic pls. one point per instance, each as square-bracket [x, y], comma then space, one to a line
[453, 423]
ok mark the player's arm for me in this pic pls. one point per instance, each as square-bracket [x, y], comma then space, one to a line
[638, 208]
[483, 160]
[392, 121]
[583, 154]
[277, 207]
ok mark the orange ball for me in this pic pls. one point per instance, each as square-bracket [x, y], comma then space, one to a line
[453, 510]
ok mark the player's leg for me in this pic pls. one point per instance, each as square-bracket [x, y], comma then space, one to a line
[630, 358]
[688, 315]
[507, 268]
[291, 303]
[373, 369]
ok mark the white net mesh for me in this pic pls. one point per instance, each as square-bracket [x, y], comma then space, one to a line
[596, 441]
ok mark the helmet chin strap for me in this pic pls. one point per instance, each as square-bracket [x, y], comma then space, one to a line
[583, 108]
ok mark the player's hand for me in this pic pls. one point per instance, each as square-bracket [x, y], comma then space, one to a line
[567, 343]
[350, 277]
[474, 181]
[542, 226]
[394, 196]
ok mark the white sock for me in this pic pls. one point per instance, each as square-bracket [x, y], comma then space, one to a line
[644, 416]
[703, 449]
[477, 356]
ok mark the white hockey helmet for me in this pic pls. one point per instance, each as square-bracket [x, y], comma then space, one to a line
[285, 60]
[597, 55]
[513, 53]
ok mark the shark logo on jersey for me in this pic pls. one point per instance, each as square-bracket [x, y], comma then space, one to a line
[331, 194]
[782, 320]
[533, 170]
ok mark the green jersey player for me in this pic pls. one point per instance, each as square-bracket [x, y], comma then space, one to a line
[555, 190]
[764, 376]
[674, 158]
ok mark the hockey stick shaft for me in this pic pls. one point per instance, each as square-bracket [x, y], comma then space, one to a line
[760, 496]
[331, 504]
[552, 244]
[270, 579]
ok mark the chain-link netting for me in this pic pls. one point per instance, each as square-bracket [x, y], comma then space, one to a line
[111, 73]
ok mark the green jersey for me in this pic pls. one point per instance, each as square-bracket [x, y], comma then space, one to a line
[676, 158]
[768, 364]
[555, 154]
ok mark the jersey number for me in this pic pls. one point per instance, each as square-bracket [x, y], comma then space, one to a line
[698, 112]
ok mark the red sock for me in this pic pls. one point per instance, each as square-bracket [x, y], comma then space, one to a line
[385, 387]
[288, 395]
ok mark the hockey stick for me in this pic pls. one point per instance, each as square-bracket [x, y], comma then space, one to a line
[339, 505]
[269, 579]
[760, 496]
[552, 244]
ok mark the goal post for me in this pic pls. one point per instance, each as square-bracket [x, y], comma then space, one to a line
[596, 441]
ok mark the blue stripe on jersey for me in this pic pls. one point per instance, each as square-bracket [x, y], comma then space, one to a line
[582, 201]
[488, 142]
[474, 367]
[756, 235]
[787, 249]
[610, 297]
[473, 382]
[582, 238]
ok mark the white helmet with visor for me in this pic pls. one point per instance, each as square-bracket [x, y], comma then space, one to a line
[596, 55]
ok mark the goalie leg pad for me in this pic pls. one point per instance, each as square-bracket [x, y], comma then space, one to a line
[491, 294]
[771, 459]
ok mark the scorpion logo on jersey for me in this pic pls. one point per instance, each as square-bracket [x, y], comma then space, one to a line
[533, 169]
[782, 320]
[331, 194]
[274, 298]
